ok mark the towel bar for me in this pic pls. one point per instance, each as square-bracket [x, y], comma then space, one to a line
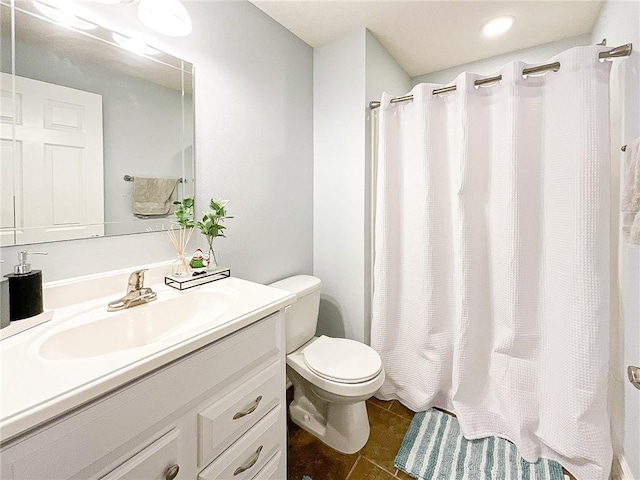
[129, 178]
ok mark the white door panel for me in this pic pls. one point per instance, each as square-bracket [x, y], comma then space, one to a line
[65, 164]
[9, 109]
[59, 168]
[63, 116]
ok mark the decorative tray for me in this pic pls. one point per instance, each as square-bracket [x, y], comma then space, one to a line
[196, 279]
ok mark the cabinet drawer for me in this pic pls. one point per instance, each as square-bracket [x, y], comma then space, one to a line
[152, 463]
[228, 418]
[271, 469]
[249, 454]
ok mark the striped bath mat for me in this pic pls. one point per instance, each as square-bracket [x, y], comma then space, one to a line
[433, 448]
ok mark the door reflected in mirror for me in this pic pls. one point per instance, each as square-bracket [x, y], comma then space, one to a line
[97, 130]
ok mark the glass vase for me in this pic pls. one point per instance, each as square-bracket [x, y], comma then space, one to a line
[212, 259]
[180, 267]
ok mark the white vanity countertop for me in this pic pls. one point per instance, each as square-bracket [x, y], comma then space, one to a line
[35, 389]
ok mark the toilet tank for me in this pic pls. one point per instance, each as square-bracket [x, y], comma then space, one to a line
[302, 316]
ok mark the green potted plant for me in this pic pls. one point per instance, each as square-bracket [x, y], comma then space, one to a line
[183, 218]
[211, 227]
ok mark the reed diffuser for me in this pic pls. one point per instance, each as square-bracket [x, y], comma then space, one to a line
[180, 237]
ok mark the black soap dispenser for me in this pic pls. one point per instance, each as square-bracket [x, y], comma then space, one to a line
[25, 289]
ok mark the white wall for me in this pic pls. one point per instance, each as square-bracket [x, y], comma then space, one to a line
[489, 66]
[619, 23]
[348, 72]
[253, 103]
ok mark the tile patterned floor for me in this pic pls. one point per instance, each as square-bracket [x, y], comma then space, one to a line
[389, 422]
[309, 456]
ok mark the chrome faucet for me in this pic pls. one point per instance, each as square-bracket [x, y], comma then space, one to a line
[137, 293]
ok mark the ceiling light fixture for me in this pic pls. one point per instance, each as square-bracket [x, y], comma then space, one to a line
[168, 17]
[63, 17]
[497, 26]
[134, 46]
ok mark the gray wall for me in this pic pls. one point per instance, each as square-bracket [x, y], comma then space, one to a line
[348, 73]
[253, 103]
[339, 179]
[5, 38]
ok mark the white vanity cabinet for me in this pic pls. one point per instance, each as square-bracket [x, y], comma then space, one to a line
[216, 413]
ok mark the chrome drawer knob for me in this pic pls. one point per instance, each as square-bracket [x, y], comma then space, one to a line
[172, 472]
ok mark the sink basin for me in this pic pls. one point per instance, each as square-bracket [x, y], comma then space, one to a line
[106, 333]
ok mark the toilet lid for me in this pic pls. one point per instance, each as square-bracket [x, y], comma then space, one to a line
[342, 360]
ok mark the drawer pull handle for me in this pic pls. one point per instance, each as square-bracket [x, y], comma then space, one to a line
[249, 410]
[249, 463]
[172, 472]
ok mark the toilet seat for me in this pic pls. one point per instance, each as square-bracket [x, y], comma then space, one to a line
[342, 360]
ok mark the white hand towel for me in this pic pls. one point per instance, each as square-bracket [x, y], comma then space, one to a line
[630, 203]
[153, 195]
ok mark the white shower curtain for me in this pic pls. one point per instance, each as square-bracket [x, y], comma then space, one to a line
[491, 295]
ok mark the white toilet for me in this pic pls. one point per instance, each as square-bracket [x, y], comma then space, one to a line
[331, 377]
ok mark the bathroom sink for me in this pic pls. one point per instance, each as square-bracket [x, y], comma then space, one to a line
[100, 333]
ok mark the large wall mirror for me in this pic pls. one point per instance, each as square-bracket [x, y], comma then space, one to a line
[97, 130]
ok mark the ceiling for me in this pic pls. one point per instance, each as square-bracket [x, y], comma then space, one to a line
[427, 36]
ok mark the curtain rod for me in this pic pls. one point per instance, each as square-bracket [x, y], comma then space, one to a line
[621, 51]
